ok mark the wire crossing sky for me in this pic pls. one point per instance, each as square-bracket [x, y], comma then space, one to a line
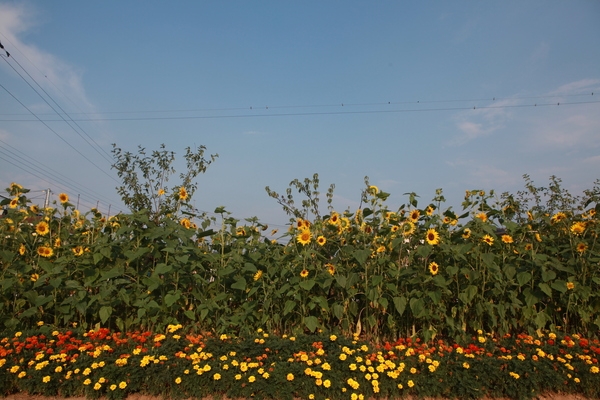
[456, 96]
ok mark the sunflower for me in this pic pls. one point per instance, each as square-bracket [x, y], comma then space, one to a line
[183, 194]
[22, 249]
[528, 247]
[257, 275]
[304, 237]
[507, 239]
[581, 247]
[334, 219]
[414, 215]
[373, 190]
[321, 240]
[45, 251]
[302, 223]
[408, 228]
[63, 197]
[78, 251]
[559, 216]
[34, 209]
[482, 216]
[14, 203]
[447, 220]
[466, 233]
[381, 249]
[57, 242]
[274, 231]
[42, 228]
[34, 277]
[570, 285]
[161, 192]
[432, 237]
[434, 268]
[366, 228]
[240, 231]
[488, 239]
[330, 268]
[429, 211]
[304, 273]
[395, 228]
[577, 228]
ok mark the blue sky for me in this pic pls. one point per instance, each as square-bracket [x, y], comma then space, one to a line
[408, 76]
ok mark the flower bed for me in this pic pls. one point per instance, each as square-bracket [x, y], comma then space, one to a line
[99, 363]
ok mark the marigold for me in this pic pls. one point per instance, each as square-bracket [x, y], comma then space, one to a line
[570, 285]
[432, 237]
[290, 377]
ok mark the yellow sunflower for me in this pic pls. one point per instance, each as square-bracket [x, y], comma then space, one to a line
[34, 209]
[466, 233]
[183, 194]
[304, 273]
[161, 192]
[304, 237]
[78, 251]
[488, 239]
[321, 240]
[434, 268]
[507, 239]
[373, 190]
[429, 211]
[330, 268]
[414, 215]
[538, 237]
[581, 247]
[408, 228]
[570, 285]
[14, 203]
[482, 216]
[447, 220]
[528, 247]
[45, 251]
[258, 275]
[381, 249]
[22, 249]
[42, 228]
[334, 219]
[34, 277]
[63, 197]
[559, 216]
[394, 228]
[240, 231]
[432, 237]
[578, 228]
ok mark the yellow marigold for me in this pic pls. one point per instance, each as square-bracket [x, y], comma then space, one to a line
[466, 365]
[410, 383]
[42, 228]
[570, 285]
[304, 237]
[178, 380]
[432, 237]
[594, 369]
[217, 376]
[290, 377]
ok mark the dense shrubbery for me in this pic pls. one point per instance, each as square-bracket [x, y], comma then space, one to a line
[516, 263]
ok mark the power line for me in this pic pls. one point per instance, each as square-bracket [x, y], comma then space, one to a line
[322, 113]
[56, 133]
[319, 105]
[53, 109]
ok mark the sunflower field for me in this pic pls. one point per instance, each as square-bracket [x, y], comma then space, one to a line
[512, 278]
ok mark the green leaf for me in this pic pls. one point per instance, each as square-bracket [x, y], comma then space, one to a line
[172, 298]
[545, 288]
[523, 278]
[361, 255]
[307, 284]
[311, 322]
[162, 268]
[289, 307]
[400, 304]
[435, 296]
[468, 294]
[341, 280]
[105, 312]
[548, 275]
[417, 306]
[240, 284]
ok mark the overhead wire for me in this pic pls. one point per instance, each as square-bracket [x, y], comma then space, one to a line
[56, 176]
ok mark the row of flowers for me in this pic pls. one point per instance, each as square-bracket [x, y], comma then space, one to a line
[112, 364]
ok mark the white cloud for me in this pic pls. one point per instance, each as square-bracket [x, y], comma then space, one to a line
[482, 121]
[583, 85]
[595, 160]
